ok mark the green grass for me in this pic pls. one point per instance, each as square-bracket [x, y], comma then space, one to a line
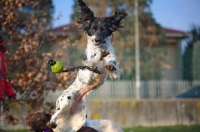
[195, 128]
[19, 131]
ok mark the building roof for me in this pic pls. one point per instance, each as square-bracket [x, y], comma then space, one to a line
[66, 30]
[175, 33]
[70, 27]
[73, 29]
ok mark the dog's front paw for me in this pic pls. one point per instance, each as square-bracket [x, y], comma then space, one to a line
[110, 67]
[51, 124]
[103, 54]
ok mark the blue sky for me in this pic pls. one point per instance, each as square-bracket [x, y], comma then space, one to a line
[175, 14]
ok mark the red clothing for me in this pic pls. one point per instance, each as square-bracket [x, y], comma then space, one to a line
[4, 85]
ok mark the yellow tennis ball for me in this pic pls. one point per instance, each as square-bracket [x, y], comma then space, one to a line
[56, 66]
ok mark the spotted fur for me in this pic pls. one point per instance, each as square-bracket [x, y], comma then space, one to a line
[70, 114]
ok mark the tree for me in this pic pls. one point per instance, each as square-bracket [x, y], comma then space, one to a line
[26, 25]
[188, 54]
[151, 37]
[195, 61]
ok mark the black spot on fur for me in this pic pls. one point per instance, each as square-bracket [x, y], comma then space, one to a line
[69, 97]
[84, 57]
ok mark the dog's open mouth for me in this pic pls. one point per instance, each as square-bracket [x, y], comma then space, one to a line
[97, 43]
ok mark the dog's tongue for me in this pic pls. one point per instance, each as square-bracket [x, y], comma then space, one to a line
[29, 128]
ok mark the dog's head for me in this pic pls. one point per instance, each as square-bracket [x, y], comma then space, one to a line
[99, 28]
[37, 121]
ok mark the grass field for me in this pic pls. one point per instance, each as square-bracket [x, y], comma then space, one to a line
[195, 128]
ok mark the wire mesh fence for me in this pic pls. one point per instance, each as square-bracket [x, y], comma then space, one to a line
[126, 90]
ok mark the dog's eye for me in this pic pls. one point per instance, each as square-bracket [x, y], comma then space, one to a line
[102, 29]
[94, 28]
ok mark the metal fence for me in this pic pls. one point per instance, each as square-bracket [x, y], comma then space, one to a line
[126, 90]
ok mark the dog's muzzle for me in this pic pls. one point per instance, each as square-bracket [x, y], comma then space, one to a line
[97, 41]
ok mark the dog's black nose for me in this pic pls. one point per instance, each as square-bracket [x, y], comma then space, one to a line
[97, 40]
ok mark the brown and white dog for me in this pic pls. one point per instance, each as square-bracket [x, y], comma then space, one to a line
[38, 123]
[70, 113]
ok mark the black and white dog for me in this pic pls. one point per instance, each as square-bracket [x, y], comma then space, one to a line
[70, 113]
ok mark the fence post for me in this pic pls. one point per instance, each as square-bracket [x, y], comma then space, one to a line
[137, 54]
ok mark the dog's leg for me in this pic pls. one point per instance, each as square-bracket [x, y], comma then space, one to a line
[111, 66]
[113, 69]
[62, 104]
[87, 88]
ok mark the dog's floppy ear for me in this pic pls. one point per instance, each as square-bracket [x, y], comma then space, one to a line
[115, 20]
[86, 15]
